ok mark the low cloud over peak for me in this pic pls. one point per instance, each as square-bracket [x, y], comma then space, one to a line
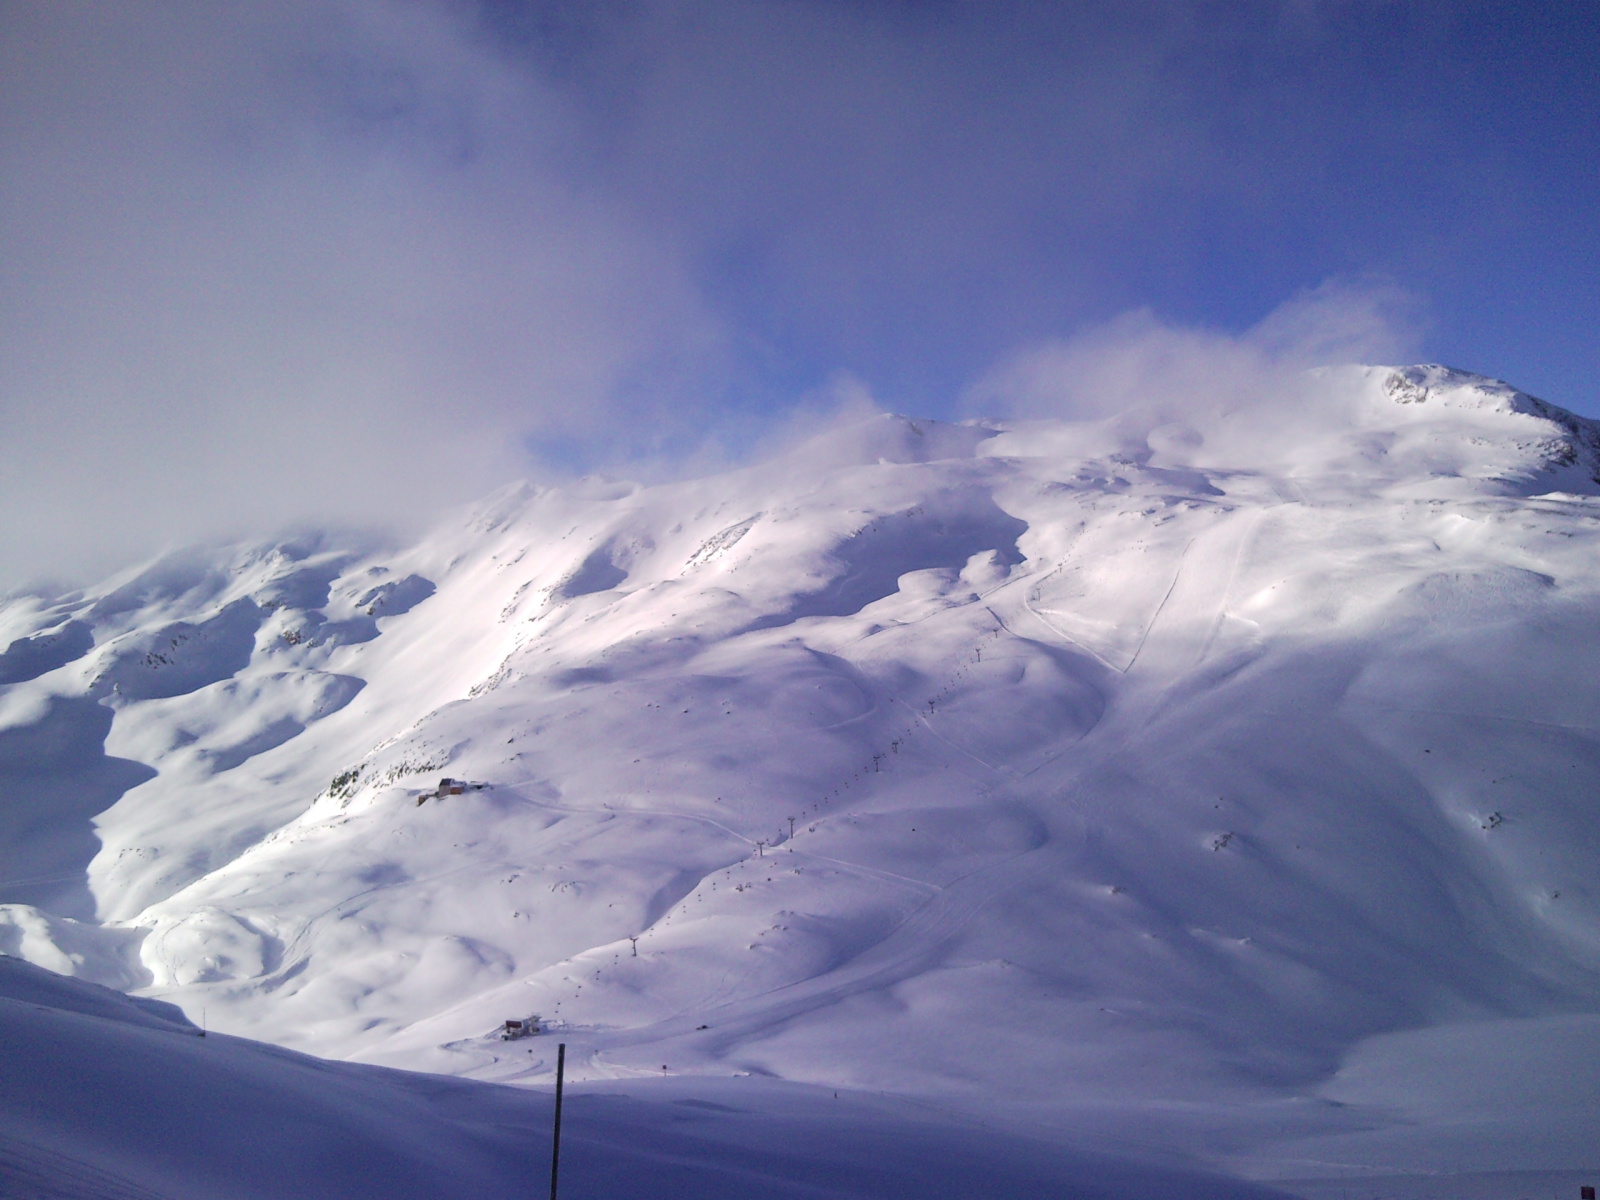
[349, 262]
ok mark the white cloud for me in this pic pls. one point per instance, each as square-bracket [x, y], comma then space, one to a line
[346, 261]
[262, 264]
[1138, 363]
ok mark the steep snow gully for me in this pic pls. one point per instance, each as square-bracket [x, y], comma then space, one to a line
[1107, 808]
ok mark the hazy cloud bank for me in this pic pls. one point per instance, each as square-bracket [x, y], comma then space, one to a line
[1139, 361]
[298, 262]
[351, 261]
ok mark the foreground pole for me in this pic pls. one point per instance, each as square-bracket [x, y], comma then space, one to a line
[555, 1142]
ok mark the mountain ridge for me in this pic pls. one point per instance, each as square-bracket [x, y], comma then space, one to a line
[1185, 756]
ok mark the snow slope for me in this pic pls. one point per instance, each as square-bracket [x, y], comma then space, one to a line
[1170, 781]
[110, 1099]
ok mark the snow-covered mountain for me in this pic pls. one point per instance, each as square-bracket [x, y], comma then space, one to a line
[1227, 783]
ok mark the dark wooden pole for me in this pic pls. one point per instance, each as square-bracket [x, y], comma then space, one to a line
[555, 1142]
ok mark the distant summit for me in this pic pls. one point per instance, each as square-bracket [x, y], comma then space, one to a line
[1559, 446]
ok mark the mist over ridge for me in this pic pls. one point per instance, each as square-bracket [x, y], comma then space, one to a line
[274, 266]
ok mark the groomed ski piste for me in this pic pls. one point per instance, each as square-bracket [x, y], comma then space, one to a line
[1124, 807]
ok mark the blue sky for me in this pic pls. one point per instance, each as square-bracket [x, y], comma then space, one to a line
[921, 188]
[258, 263]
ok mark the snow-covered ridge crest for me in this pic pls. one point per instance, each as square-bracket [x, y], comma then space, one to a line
[1420, 430]
[1166, 747]
[1556, 445]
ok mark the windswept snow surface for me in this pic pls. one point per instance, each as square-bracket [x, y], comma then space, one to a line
[1225, 787]
[106, 1098]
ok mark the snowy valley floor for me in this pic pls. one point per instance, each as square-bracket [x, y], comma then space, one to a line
[110, 1099]
[107, 1098]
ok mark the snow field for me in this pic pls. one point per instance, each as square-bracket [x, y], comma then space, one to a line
[1143, 778]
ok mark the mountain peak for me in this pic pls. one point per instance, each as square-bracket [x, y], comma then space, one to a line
[1449, 421]
[811, 768]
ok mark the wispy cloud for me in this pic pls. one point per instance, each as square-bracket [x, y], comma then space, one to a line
[299, 261]
[354, 259]
[1138, 362]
